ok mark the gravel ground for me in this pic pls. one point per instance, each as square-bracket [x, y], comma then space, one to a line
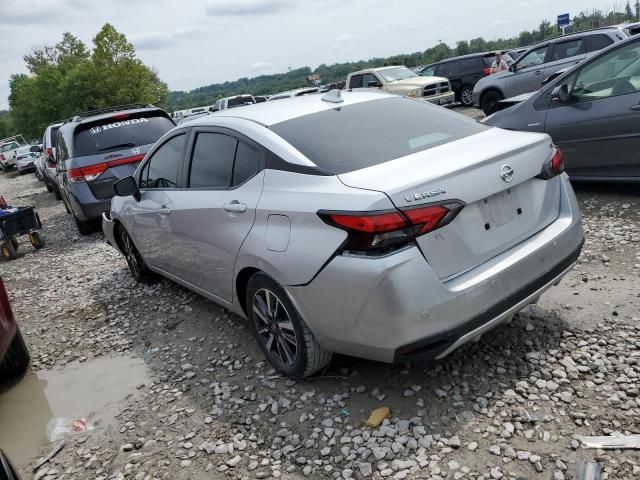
[506, 407]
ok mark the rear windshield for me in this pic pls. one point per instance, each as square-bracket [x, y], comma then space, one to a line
[357, 136]
[240, 101]
[119, 133]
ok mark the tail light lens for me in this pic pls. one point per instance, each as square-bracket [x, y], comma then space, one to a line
[86, 174]
[2, 157]
[49, 152]
[553, 167]
[486, 71]
[380, 232]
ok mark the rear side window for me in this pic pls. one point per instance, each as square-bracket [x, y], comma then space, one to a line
[246, 165]
[357, 136]
[161, 171]
[54, 137]
[212, 161]
[471, 65]
[240, 101]
[598, 42]
[449, 69]
[119, 132]
[568, 49]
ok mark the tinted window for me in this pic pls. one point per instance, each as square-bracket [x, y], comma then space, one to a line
[598, 42]
[162, 169]
[449, 69]
[568, 49]
[212, 161]
[471, 65]
[54, 137]
[355, 81]
[429, 71]
[246, 165]
[240, 100]
[356, 136]
[533, 58]
[117, 133]
[62, 152]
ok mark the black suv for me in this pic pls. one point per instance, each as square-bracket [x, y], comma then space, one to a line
[97, 148]
[464, 72]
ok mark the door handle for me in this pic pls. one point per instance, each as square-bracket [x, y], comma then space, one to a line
[235, 207]
[538, 72]
[635, 107]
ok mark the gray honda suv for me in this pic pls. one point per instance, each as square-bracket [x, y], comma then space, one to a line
[362, 223]
[97, 148]
[539, 62]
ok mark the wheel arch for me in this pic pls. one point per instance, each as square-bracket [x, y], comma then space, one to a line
[241, 284]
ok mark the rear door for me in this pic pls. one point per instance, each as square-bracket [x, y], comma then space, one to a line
[565, 54]
[159, 180]
[211, 217]
[528, 73]
[598, 129]
[111, 148]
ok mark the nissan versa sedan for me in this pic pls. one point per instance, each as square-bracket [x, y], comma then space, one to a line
[358, 223]
[592, 112]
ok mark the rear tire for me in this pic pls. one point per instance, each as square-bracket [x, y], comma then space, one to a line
[466, 96]
[9, 250]
[283, 336]
[56, 193]
[16, 361]
[85, 228]
[489, 101]
[139, 270]
[48, 185]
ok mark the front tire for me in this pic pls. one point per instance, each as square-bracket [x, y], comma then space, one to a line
[283, 336]
[466, 96]
[490, 101]
[48, 185]
[138, 268]
[56, 194]
[16, 361]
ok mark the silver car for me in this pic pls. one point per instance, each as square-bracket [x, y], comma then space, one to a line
[359, 223]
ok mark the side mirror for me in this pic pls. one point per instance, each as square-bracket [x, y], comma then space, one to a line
[373, 84]
[561, 94]
[127, 187]
[35, 149]
[513, 67]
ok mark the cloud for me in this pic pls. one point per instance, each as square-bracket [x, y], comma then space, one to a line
[342, 40]
[27, 12]
[260, 66]
[245, 7]
[160, 40]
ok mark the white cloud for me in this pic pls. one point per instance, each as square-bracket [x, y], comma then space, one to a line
[342, 40]
[260, 67]
[245, 7]
[159, 40]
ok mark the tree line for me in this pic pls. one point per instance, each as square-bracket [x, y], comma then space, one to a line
[68, 77]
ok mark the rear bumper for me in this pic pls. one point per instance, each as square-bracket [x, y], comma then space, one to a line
[84, 204]
[30, 167]
[394, 308]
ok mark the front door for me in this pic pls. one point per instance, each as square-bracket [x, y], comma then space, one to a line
[528, 73]
[598, 129]
[212, 216]
[159, 181]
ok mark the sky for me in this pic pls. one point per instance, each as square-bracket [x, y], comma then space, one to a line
[193, 43]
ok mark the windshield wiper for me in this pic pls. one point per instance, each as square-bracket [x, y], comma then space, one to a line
[119, 145]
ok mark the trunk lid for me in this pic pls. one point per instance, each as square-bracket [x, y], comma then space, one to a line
[498, 214]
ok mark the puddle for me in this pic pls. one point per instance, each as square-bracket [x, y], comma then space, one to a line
[92, 390]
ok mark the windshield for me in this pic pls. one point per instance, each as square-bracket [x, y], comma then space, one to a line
[240, 101]
[398, 73]
[118, 133]
[8, 146]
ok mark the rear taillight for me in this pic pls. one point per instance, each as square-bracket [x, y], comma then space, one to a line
[2, 157]
[378, 232]
[49, 152]
[553, 167]
[86, 174]
[486, 71]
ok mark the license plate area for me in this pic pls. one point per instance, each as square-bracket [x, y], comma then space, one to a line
[500, 209]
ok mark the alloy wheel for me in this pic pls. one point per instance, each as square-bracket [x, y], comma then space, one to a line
[467, 97]
[275, 327]
[130, 255]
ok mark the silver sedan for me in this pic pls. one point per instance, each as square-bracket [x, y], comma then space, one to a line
[357, 223]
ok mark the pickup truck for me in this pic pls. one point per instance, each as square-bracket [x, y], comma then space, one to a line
[402, 81]
[9, 151]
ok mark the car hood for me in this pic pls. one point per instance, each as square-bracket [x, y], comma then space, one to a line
[418, 81]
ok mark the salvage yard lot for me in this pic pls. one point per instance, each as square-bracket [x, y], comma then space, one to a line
[209, 406]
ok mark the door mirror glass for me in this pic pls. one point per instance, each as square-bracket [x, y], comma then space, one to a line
[127, 187]
[561, 93]
[35, 149]
[513, 67]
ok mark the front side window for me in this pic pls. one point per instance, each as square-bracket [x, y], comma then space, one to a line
[161, 171]
[533, 58]
[355, 81]
[614, 74]
[568, 49]
[212, 161]
[429, 71]
[369, 80]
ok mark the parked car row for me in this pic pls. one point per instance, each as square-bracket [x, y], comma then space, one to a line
[9, 151]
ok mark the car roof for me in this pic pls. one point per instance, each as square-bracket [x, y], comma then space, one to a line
[270, 113]
[470, 55]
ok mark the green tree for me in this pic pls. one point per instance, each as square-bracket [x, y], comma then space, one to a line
[462, 47]
[628, 11]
